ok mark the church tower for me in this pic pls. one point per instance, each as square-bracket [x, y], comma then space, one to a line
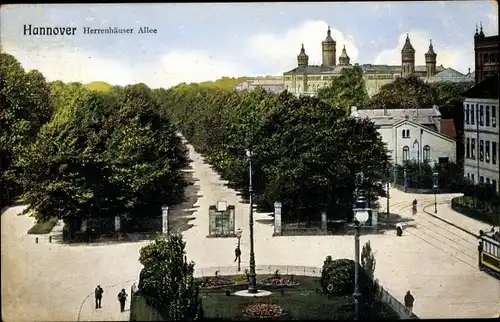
[343, 58]
[302, 58]
[329, 50]
[407, 59]
[430, 61]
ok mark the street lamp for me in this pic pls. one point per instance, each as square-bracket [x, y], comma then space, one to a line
[238, 235]
[418, 150]
[435, 176]
[405, 177]
[252, 285]
[361, 215]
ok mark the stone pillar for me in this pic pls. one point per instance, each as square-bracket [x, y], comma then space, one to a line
[323, 220]
[117, 223]
[374, 218]
[164, 218]
[83, 227]
[277, 218]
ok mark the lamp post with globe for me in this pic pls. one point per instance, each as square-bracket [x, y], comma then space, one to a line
[361, 215]
[252, 286]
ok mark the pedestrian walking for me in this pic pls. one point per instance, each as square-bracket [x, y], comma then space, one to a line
[122, 297]
[237, 254]
[409, 299]
[98, 296]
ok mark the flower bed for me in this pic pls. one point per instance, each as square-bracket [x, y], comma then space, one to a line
[279, 281]
[263, 310]
[215, 282]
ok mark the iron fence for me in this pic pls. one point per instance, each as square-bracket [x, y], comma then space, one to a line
[260, 269]
[384, 296]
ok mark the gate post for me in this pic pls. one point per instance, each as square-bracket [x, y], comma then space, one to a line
[277, 218]
[164, 217]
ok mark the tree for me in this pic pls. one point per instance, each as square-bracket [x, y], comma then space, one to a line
[25, 106]
[368, 261]
[167, 281]
[404, 93]
[346, 90]
[104, 154]
[337, 278]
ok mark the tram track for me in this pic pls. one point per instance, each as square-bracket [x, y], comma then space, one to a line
[448, 238]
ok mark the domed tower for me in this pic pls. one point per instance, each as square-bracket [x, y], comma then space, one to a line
[407, 58]
[329, 50]
[430, 60]
[302, 58]
[343, 58]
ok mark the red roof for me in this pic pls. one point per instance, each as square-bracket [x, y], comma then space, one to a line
[448, 128]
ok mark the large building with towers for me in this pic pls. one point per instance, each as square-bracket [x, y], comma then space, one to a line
[307, 79]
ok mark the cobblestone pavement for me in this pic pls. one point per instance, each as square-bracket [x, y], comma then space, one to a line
[438, 262]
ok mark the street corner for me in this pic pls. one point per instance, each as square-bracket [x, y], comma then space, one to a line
[110, 307]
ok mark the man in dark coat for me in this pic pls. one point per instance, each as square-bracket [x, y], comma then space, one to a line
[237, 254]
[409, 299]
[122, 297]
[98, 296]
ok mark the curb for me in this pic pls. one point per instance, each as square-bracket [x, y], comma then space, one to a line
[446, 221]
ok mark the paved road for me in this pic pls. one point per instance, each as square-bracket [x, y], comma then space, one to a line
[433, 259]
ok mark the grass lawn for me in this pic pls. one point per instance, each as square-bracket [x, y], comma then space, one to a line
[301, 302]
[43, 227]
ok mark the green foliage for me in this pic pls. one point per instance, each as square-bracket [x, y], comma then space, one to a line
[337, 278]
[25, 105]
[43, 227]
[346, 90]
[225, 83]
[420, 176]
[98, 86]
[103, 154]
[405, 92]
[368, 261]
[167, 279]
[305, 152]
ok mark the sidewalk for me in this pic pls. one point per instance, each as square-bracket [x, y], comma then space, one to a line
[445, 212]
[110, 310]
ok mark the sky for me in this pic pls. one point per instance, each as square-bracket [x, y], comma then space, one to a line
[198, 42]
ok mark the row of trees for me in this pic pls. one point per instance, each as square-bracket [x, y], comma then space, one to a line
[25, 106]
[306, 151]
[95, 154]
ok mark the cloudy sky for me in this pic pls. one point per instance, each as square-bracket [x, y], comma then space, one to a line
[197, 42]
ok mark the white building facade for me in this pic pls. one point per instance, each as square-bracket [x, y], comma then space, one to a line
[412, 134]
[481, 139]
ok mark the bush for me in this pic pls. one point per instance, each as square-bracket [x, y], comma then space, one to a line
[43, 227]
[337, 278]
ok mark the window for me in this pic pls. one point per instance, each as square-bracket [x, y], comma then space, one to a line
[493, 116]
[487, 151]
[486, 58]
[466, 114]
[473, 149]
[406, 133]
[481, 115]
[467, 149]
[481, 179]
[472, 114]
[481, 150]
[472, 177]
[488, 181]
[494, 152]
[406, 153]
[494, 185]
[427, 153]
[468, 176]
[487, 115]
